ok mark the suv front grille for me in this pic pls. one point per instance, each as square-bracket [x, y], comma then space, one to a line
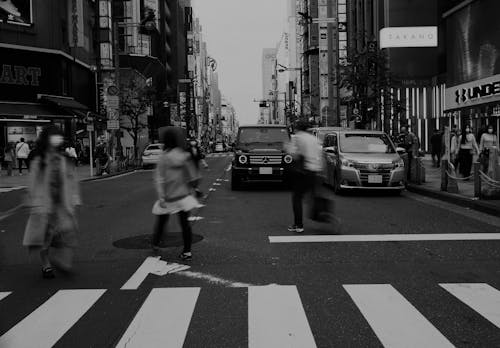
[263, 160]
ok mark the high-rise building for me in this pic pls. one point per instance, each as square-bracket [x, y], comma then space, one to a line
[268, 72]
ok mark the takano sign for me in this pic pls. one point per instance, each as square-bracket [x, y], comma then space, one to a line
[473, 93]
[408, 37]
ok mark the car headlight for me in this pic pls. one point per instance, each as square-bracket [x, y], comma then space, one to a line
[347, 163]
[399, 163]
[288, 159]
[243, 159]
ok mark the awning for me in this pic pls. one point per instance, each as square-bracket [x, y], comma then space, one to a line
[30, 111]
[67, 104]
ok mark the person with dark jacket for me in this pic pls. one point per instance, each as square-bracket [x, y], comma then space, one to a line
[436, 147]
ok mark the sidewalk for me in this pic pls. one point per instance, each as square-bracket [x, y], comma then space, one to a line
[465, 196]
[17, 181]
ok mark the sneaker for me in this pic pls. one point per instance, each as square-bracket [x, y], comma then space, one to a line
[295, 229]
[186, 256]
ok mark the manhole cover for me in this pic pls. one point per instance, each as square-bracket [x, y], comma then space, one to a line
[144, 241]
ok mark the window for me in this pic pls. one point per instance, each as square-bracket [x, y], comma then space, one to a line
[366, 143]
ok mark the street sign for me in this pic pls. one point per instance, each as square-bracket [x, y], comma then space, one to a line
[90, 127]
[112, 102]
[113, 124]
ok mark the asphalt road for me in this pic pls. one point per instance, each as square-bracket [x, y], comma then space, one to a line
[241, 290]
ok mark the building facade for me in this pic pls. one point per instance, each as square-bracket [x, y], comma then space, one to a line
[47, 67]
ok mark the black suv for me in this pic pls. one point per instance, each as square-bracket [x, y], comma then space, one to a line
[259, 155]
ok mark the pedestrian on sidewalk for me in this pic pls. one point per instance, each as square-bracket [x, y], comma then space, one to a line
[71, 153]
[308, 160]
[22, 153]
[454, 146]
[53, 196]
[410, 142]
[488, 141]
[8, 158]
[467, 148]
[436, 147]
[175, 179]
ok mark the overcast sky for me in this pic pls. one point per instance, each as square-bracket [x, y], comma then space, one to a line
[236, 31]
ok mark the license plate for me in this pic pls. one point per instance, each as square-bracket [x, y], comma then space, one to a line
[375, 179]
[266, 171]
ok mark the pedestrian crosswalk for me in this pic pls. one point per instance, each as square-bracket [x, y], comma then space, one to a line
[276, 316]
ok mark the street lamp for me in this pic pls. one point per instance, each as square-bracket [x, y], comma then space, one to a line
[283, 69]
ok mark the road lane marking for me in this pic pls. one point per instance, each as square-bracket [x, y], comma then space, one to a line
[213, 279]
[384, 238]
[216, 184]
[482, 298]
[228, 169]
[4, 295]
[212, 189]
[10, 189]
[163, 320]
[218, 180]
[49, 322]
[393, 319]
[195, 218]
[152, 265]
[276, 318]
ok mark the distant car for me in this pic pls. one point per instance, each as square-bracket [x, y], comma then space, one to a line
[151, 155]
[362, 159]
[219, 147]
[259, 155]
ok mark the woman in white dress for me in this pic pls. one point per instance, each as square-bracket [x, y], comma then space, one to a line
[175, 179]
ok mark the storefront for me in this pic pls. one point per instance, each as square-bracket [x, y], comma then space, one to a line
[473, 74]
[38, 87]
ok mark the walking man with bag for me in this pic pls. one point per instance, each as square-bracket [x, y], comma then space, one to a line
[308, 159]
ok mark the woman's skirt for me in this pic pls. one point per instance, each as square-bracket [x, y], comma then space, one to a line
[187, 203]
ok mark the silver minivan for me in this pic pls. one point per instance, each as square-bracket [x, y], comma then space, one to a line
[362, 159]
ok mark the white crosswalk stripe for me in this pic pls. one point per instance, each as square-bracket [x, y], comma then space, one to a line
[163, 319]
[482, 298]
[49, 322]
[393, 319]
[276, 316]
[4, 295]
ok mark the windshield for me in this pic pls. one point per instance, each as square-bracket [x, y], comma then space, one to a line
[366, 143]
[154, 147]
[250, 136]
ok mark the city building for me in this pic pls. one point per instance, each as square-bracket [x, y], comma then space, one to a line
[47, 58]
[472, 94]
[442, 55]
[228, 120]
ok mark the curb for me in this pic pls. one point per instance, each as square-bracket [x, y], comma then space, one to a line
[479, 205]
[97, 178]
